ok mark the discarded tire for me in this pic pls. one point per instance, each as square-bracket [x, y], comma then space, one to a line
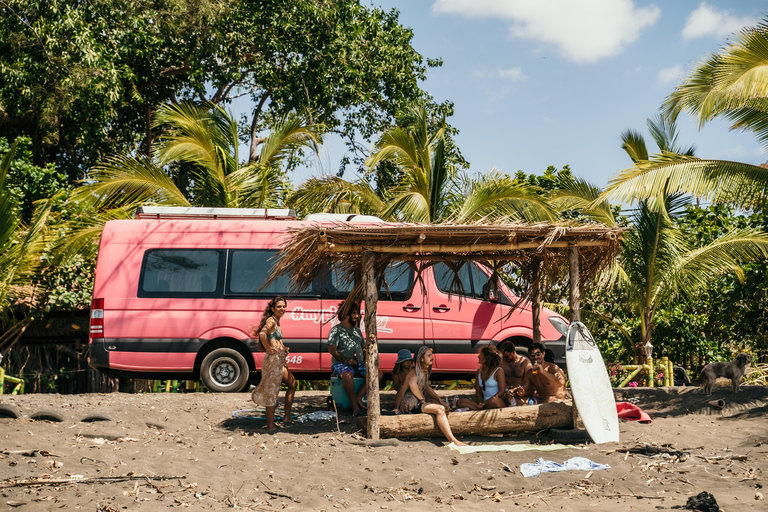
[96, 417]
[47, 416]
[9, 411]
[569, 435]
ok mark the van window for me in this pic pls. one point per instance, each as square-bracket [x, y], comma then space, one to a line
[444, 277]
[181, 273]
[479, 282]
[249, 269]
[395, 284]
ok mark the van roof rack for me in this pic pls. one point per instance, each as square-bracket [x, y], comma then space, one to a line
[181, 212]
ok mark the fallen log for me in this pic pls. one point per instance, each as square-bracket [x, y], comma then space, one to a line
[527, 418]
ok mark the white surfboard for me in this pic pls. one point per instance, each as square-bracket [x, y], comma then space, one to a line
[590, 385]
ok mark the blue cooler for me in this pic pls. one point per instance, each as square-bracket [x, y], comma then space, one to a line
[338, 394]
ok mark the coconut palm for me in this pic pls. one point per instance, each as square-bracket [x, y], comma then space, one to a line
[657, 262]
[730, 84]
[205, 138]
[428, 189]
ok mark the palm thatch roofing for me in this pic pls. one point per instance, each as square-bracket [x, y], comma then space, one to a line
[308, 251]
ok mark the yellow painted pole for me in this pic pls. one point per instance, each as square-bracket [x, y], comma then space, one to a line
[649, 364]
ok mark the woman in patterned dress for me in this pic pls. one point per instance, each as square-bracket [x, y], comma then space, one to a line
[412, 397]
[274, 370]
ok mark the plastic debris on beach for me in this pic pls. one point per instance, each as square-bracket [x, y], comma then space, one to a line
[317, 416]
[547, 466]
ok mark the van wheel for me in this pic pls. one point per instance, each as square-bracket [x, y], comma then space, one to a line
[224, 371]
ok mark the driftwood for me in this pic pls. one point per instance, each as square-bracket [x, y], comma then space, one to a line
[86, 480]
[525, 418]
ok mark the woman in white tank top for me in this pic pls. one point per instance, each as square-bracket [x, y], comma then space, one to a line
[490, 385]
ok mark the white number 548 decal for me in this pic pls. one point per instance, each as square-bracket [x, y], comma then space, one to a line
[294, 360]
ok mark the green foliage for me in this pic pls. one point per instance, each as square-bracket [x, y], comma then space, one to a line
[28, 183]
[82, 79]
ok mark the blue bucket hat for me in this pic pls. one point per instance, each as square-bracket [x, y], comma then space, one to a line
[404, 355]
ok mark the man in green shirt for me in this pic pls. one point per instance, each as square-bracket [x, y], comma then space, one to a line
[345, 344]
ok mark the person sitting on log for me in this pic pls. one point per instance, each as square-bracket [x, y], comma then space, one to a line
[490, 385]
[514, 366]
[403, 365]
[412, 397]
[545, 378]
[345, 344]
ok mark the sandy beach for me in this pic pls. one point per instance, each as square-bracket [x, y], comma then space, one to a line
[170, 450]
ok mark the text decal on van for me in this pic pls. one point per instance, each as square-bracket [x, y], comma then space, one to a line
[299, 314]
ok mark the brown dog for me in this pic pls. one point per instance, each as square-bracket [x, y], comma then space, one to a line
[733, 370]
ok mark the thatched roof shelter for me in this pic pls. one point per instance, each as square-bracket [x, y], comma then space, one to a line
[565, 253]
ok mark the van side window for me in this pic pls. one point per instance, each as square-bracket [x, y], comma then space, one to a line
[479, 282]
[249, 269]
[181, 273]
[444, 277]
[395, 284]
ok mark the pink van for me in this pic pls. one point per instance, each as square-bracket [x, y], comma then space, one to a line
[178, 290]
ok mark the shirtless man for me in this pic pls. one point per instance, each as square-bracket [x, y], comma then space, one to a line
[546, 378]
[514, 366]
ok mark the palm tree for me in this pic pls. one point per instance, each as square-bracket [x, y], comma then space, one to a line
[657, 262]
[729, 84]
[204, 137]
[428, 189]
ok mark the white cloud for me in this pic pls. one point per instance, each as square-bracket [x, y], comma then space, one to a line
[583, 31]
[707, 20]
[670, 75]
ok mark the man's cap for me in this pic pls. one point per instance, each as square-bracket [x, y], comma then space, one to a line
[404, 355]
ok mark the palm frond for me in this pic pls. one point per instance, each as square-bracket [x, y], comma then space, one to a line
[336, 195]
[287, 137]
[743, 185]
[497, 196]
[128, 180]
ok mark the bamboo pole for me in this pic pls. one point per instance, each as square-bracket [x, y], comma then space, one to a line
[371, 345]
[446, 248]
[536, 302]
[574, 298]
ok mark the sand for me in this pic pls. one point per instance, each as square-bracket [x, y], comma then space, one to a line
[167, 450]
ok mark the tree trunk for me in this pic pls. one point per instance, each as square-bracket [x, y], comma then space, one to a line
[371, 345]
[255, 140]
[527, 418]
[574, 278]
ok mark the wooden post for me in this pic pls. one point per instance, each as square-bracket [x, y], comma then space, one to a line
[575, 293]
[536, 302]
[371, 346]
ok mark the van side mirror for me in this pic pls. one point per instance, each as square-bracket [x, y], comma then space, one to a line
[490, 292]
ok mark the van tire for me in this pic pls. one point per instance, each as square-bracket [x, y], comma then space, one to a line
[225, 370]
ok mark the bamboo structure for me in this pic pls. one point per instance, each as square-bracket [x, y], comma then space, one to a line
[567, 254]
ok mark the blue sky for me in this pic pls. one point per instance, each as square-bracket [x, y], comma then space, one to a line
[555, 82]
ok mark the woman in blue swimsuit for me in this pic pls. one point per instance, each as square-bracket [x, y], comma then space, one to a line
[490, 385]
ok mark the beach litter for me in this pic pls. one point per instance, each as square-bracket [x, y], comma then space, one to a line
[317, 416]
[548, 466]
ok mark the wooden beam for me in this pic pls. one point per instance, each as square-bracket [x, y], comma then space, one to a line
[536, 301]
[527, 418]
[574, 277]
[447, 248]
[371, 345]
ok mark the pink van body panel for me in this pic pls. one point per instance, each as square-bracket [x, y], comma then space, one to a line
[156, 335]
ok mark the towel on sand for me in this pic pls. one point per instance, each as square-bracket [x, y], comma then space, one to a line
[632, 412]
[509, 447]
[548, 466]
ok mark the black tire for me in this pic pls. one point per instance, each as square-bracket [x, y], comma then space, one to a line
[47, 415]
[9, 411]
[570, 435]
[224, 371]
[96, 417]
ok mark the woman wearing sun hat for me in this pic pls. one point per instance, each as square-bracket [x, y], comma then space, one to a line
[403, 365]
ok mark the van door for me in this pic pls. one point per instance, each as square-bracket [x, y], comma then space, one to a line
[400, 316]
[460, 317]
[248, 270]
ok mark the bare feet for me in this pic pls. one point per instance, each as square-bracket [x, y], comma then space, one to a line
[459, 443]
